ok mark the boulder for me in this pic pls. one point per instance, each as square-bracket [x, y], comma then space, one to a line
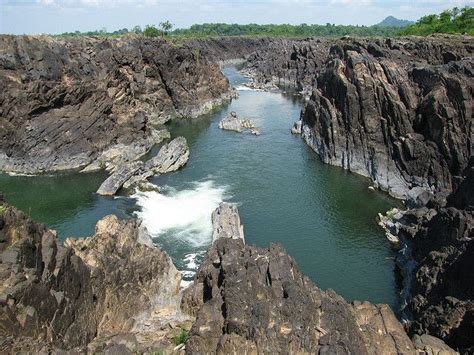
[297, 127]
[232, 123]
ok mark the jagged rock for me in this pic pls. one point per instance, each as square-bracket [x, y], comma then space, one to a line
[297, 127]
[232, 123]
[121, 175]
[349, 122]
[253, 300]
[46, 290]
[117, 292]
[64, 102]
[429, 345]
[120, 154]
[122, 254]
[440, 241]
[382, 332]
[171, 157]
[115, 283]
[226, 223]
[418, 197]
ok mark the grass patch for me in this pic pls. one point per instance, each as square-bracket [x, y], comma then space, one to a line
[181, 337]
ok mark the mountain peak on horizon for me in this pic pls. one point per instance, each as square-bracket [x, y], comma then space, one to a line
[391, 21]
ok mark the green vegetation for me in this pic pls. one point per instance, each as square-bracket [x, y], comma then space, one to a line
[449, 21]
[181, 337]
[284, 30]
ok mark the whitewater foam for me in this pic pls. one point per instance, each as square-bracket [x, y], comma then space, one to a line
[182, 215]
[246, 88]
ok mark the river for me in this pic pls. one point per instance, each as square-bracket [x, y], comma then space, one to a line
[324, 217]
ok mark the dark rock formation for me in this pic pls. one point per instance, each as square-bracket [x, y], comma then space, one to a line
[441, 240]
[115, 292]
[47, 291]
[252, 300]
[63, 102]
[402, 128]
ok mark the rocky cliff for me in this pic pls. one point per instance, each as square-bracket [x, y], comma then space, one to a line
[65, 103]
[404, 123]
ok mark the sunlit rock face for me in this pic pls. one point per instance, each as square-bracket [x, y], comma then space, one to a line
[65, 102]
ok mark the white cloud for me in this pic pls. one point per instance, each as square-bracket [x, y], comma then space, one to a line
[350, 2]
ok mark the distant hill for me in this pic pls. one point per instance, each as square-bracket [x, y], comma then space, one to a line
[391, 21]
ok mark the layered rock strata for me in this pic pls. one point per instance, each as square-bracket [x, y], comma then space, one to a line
[63, 103]
[171, 157]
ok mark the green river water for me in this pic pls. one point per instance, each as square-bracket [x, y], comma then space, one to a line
[324, 216]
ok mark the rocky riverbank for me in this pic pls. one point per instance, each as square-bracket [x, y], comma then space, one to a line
[68, 103]
[400, 113]
[117, 292]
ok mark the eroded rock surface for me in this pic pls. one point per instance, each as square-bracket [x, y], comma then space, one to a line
[401, 128]
[255, 300]
[112, 288]
[233, 123]
[226, 223]
[170, 157]
[64, 102]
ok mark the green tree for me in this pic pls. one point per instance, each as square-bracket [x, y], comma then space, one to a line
[165, 27]
[151, 31]
[137, 29]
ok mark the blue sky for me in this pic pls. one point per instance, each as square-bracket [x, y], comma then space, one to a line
[57, 16]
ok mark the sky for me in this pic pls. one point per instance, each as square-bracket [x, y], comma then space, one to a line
[58, 16]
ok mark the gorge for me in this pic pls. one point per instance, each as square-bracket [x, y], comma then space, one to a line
[398, 111]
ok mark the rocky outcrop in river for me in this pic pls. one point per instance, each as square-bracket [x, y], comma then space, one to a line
[171, 157]
[64, 102]
[233, 123]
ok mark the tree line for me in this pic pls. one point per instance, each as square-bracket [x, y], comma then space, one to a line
[449, 21]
